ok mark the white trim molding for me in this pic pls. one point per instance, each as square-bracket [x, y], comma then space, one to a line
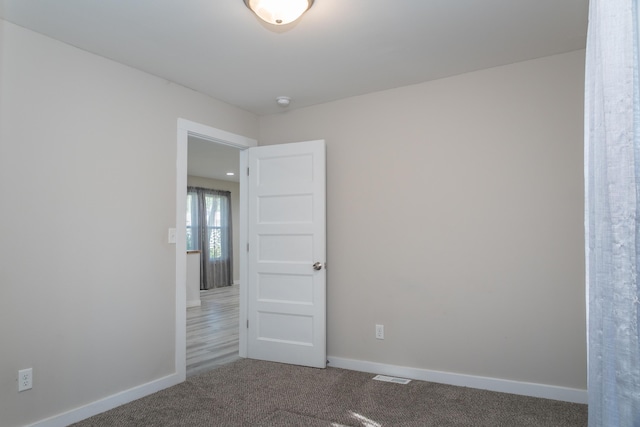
[545, 391]
[109, 402]
[194, 303]
[216, 135]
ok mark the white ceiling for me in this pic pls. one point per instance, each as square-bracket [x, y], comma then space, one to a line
[212, 160]
[339, 48]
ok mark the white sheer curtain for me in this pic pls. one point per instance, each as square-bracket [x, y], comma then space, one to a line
[612, 178]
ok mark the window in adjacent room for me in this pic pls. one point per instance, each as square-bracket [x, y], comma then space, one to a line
[209, 231]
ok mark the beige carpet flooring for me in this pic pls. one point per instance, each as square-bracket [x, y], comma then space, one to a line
[256, 393]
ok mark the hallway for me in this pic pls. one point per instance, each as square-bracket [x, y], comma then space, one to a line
[212, 330]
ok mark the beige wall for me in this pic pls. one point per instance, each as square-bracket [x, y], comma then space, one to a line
[88, 191]
[455, 218]
[234, 188]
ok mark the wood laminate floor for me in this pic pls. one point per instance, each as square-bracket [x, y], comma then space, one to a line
[212, 330]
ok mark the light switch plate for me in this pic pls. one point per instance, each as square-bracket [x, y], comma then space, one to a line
[172, 235]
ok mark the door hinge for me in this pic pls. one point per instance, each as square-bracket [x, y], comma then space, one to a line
[247, 171]
[247, 323]
[247, 246]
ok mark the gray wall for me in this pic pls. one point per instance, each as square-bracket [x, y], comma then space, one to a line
[234, 188]
[88, 192]
[455, 218]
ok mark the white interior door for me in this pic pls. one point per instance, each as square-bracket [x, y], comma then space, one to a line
[286, 290]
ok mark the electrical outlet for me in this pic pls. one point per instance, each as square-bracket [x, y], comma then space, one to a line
[25, 379]
[380, 332]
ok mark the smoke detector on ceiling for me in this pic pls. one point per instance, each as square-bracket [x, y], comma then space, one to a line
[283, 101]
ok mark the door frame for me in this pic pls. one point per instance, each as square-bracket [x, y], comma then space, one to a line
[188, 128]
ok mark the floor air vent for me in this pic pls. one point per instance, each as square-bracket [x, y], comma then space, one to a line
[391, 379]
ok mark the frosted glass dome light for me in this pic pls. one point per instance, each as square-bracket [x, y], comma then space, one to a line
[279, 12]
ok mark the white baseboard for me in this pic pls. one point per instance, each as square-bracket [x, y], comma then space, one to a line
[484, 383]
[194, 303]
[110, 402]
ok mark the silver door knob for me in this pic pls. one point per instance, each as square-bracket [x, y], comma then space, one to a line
[317, 266]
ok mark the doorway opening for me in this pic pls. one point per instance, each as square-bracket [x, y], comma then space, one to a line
[214, 139]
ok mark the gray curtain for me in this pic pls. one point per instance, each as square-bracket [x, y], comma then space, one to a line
[612, 212]
[209, 231]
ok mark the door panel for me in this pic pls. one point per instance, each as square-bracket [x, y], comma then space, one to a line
[286, 233]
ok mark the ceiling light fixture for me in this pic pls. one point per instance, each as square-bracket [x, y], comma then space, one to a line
[278, 12]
